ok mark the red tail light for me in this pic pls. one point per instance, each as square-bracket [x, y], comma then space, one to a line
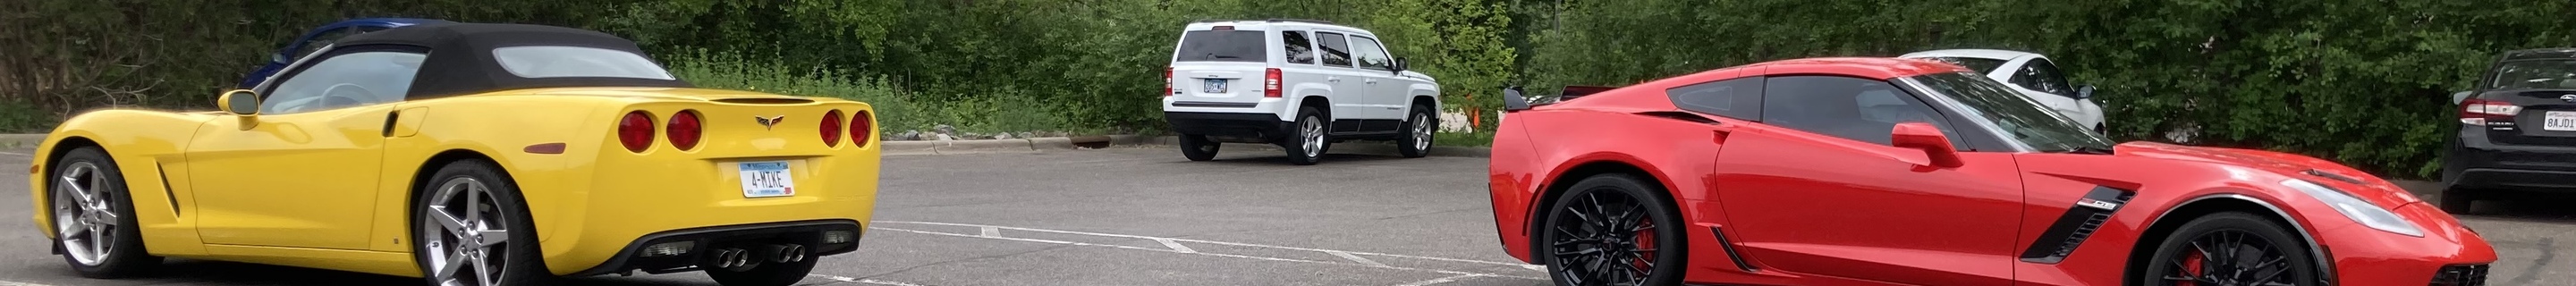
[862, 127]
[684, 129]
[832, 128]
[1167, 82]
[635, 131]
[2480, 111]
[1270, 83]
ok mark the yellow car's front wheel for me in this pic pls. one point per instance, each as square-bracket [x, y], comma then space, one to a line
[471, 229]
[93, 219]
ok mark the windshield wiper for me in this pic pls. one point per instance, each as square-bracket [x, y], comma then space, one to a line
[2089, 150]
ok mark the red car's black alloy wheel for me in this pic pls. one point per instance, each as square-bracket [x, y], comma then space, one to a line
[1605, 238]
[2230, 258]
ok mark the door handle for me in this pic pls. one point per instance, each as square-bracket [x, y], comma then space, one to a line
[1719, 132]
[1371, 81]
[1333, 79]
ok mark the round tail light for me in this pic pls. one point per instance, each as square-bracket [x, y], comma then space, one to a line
[684, 129]
[832, 128]
[862, 127]
[635, 131]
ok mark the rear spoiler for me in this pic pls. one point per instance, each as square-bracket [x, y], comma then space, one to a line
[1514, 101]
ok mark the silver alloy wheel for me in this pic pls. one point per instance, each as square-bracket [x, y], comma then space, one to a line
[1312, 129]
[1421, 132]
[464, 234]
[83, 220]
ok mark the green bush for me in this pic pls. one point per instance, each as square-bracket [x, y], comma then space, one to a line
[896, 110]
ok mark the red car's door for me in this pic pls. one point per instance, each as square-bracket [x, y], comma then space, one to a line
[1818, 190]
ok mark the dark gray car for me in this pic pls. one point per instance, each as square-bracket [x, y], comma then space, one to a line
[2517, 129]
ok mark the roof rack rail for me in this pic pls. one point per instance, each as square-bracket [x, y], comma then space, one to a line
[1214, 20]
[1300, 20]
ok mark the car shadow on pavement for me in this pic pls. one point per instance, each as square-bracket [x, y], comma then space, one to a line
[202, 272]
[2546, 208]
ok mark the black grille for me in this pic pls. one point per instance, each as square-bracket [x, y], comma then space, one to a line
[2461, 275]
[2091, 224]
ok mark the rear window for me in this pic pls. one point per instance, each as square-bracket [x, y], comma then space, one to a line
[1222, 46]
[1979, 64]
[2534, 74]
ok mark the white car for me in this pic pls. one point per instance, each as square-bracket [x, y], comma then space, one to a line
[1300, 84]
[2030, 73]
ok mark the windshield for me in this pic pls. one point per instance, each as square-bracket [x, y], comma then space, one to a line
[2020, 118]
[2535, 74]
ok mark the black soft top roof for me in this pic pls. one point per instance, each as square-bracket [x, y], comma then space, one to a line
[460, 59]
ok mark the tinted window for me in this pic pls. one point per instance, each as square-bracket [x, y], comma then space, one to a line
[2020, 118]
[1735, 98]
[1336, 51]
[1371, 56]
[2534, 74]
[1983, 65]
[2043, 76]
[1852, 108]
[1221, 46]
[1300, 50]
[343, 80]
[566, 61]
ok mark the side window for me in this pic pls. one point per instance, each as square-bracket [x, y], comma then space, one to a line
[1300, 50]
[1852, 108]
[1735, 98]
[346, 77]
[1371, 55]
[2043, 76]
[1337, 52]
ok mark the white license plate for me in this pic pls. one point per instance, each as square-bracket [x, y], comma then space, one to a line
[2559, 121]
[1215, 85]
[766, 179]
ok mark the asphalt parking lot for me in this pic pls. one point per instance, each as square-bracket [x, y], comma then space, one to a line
[1145, 216]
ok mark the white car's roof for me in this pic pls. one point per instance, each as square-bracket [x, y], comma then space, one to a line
[1970, 53]
[1267, 25]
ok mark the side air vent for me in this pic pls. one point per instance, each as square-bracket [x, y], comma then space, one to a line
[2078, 224]
[1729, 246]
[766, 100]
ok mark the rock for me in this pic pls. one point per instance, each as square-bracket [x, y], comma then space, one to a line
[1028, 135]
[944, 129]
[971, 136]
[908, 135]
[942, 137]
[1002, 136]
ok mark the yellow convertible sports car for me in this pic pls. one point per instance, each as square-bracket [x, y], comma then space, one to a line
[468, 154]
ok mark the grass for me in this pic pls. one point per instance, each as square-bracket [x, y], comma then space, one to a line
[23, 118]
[1478, 139]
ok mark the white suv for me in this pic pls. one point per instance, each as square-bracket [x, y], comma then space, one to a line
[2030, 73]
[1300, 84]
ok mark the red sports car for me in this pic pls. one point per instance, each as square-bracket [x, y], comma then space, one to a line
[1876, 171]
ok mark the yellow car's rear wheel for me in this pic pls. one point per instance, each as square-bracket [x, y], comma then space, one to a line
[92, 217]
[472, 229]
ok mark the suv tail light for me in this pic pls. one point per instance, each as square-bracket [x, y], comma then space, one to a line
[832, 128]
[1167, 82]
[1270, 83]
[2480, 111]
[684, 129]
[635, 131]
[862, 127]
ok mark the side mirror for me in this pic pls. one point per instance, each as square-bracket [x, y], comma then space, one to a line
[1935, 146]
[2457, 97]
[238, 102]
[1401, 65]
[1512, 100]
[2085, 92]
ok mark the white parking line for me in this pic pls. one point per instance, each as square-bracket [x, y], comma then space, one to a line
[834, 278]
[1176, 246]
[16, 283]
[1438, 280]
[1361, 262]
[7, 153]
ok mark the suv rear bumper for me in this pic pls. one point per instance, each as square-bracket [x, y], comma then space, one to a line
[2475, 162]
[1242, 126]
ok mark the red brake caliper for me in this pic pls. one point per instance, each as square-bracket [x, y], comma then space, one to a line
[1645, 240]
[2191, 268]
